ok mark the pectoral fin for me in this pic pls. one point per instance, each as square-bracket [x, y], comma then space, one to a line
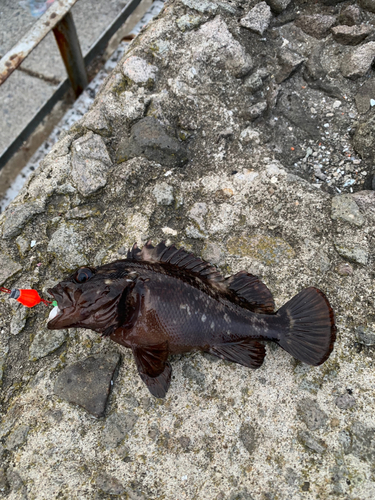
[153, 367]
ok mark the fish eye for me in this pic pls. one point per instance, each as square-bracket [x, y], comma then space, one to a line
[83, 275]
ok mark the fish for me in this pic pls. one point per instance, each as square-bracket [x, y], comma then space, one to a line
[164, 300]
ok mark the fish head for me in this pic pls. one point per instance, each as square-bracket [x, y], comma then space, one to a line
[93, 298]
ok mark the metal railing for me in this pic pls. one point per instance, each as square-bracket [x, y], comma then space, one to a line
[58, 19]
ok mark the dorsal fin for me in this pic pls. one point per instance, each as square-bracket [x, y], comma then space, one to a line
[243, 288]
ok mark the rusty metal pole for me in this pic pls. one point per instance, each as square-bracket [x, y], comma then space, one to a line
[70, 50]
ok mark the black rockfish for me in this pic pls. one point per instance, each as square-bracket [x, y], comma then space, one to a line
[163, 300]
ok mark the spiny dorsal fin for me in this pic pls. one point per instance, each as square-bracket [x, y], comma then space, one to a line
[243, 288]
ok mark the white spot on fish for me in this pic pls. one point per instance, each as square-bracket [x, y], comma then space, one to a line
[203, 318]
[227, 318]
[108, 282]
[212, 325]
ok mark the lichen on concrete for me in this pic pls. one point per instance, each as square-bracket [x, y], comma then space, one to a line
[271, 177]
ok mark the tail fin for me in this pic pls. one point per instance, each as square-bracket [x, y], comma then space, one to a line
[312, 330]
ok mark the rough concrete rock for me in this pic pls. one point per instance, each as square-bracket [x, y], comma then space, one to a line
[316, 25]
[345, 208]
[350, 15]
[67, 246]
[90, 163]
[367, 5]
[278, 5]
[351, 35]
[201, 6]
[364, 138]
[140, 71]
[258, 18]
[359, 61]
[366, 335]
[150, 139]
[87, 383]
[351, 252]
[17, 217]
[45, 342]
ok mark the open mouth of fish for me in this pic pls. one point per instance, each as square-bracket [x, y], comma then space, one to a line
[56, 312]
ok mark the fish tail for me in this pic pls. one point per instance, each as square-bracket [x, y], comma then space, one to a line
[311, 330]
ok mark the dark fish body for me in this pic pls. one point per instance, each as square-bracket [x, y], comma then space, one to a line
[163, 300]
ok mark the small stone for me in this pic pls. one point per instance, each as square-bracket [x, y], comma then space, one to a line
[202, 6]
[250, 136]
[367, 5]
[253, 82]
[309, 411]
[319, 174]
[311, 442]
[188, 22]
[278, 5]
[256, 110]
[163, 193]
[109, 484]
[17, 437]
[149, 139]
[353, 253]
[350, 16]
[90, 163]
[364, 96]
[345, 401]
[139, 71]
[19, 317]
[364, 139]
[16, 217]
[344, 269]
[365, 335]
[23, 245]
[345, 208]
[191, 373]
[248, 437]
[270, 251]
[88, 382]
[117, 426]
[336, 104]
[359, 61]
[66, 244]
[258, 18]
[8, 268]
[361, 442]
[289, 62]
[211, 253]
[351, 35]
[198, 212]
[45, 342]
[317, 25]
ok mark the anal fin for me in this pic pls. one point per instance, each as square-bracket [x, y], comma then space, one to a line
[246, 352]
[158, 386]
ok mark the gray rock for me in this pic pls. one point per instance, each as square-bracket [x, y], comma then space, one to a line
[253, 82]
[248, 437]
[8, 267]
[140, 71]
[345, 208]
[66, 244]
[289, 62]
[17, 217]
[364, 139]
[193, 374]
[256, 110]
[351, 35]
[201, 6]
[117, 426]
[212, 253]
[365, 335]
[19, 318]
[258, 18]
[364, 95]
[45, 342]
[278, 5]
[109, 484]
[163, 193]
[350, 16]
[308, 410]
[359, 61]
[16, 484]
[17, 437]
[367, 5]
[310, 442]
[317, 25]
[90, 163]
[351, 252]
[149, 139]
[23, 245]
[87, 383]
[344, 269]
[345, 401]
[188, 22]
[362, 442]
[240, 495]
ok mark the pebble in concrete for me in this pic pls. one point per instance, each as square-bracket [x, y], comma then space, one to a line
[17, 437]
[88, 382]
[365, 335]
[345, 208]
[139, 71]
[258, 18]
[8, 267]
[311, 442]
[353, 253]
[45, 342]
[150, 139]
[19, 318]
[163, 193]
[359, 61]
[117, 426]
[90, 163]
[345, 401]
[66, 245]
[201, 6]
[17, 218]
[310, 412]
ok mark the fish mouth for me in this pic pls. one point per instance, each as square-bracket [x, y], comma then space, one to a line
[58, 312]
